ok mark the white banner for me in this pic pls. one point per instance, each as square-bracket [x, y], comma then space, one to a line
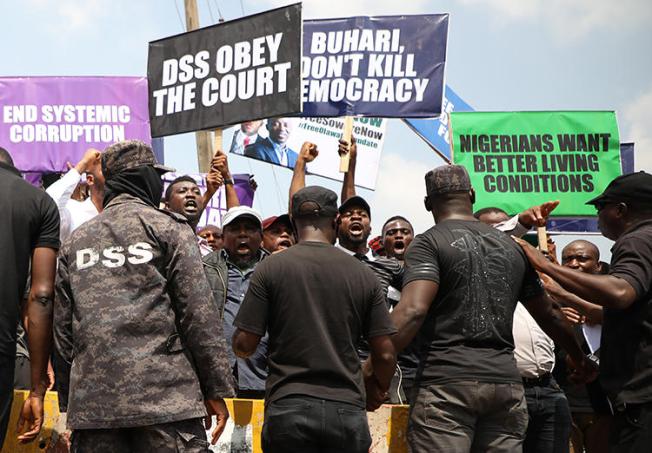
[279, 140]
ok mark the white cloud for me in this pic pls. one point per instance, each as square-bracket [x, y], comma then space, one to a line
[399, 191]
[636, 121]
[570, 19]
[314, 9]
[68, 17]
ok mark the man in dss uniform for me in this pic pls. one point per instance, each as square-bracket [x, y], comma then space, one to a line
[135, 324]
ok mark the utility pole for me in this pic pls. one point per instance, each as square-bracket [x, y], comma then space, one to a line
[203, 138]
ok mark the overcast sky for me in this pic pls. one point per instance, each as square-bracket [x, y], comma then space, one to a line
[502, 55]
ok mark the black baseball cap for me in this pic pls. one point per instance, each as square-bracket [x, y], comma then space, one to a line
[325, 199]
[634, 187]
[355, 201]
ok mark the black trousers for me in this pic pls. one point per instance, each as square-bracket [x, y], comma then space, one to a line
[631, 430]
[186, 436]
[304, 424]
[6, 393]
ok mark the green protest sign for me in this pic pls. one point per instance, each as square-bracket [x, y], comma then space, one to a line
[520, 159]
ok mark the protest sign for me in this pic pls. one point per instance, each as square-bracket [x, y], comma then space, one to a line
[216, 208]
[228, 73]
[519, 159]
[435, 131]
[390, 66]
[48, 121]
[263, 140]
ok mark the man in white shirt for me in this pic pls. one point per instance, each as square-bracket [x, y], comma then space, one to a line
[73, 213]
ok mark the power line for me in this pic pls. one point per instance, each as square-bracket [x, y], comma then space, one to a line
[219, 12]
[183, 27]
[242, 7]
[210, 11]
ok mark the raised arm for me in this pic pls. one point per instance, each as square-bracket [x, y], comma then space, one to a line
[307, 154]
[220, 166]
[348, 185]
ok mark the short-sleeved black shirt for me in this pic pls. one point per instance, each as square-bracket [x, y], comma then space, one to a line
[482, 273]
[315, 302]
[28, 219]
[626, 346]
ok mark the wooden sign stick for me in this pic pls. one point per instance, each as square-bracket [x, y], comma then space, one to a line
[543, 238]
[347, 133]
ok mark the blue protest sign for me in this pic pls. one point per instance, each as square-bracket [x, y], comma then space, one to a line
[390, 66]
[435, 131]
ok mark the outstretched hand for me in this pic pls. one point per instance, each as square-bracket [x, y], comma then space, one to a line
[537, 215]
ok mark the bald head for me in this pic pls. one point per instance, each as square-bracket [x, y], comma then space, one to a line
[583, 256]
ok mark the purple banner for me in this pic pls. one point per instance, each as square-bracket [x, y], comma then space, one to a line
[48, 121]
[217, 206]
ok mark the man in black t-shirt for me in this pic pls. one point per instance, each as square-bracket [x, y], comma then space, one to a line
[461, 286]
[625, 216]
[315, 394]
[30, 230]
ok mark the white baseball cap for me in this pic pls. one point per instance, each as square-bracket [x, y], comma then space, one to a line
[240, 211]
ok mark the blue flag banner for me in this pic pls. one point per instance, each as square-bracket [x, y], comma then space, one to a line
[390, 66]
[435, 131]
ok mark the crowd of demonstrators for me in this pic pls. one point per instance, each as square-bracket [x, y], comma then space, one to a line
[155, 321]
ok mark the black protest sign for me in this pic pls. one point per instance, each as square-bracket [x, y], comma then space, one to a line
[224, 74]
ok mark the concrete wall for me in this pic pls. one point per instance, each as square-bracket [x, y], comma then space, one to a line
[242, 433]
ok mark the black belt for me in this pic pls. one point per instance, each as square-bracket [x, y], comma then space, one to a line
[541, 381]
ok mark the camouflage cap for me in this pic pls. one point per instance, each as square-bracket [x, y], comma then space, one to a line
[129, 154]
[447, 179]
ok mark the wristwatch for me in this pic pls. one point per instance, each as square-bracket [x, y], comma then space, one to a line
[229, 181]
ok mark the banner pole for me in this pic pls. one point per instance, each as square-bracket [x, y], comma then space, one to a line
[542, 236]
[202, 138]
[347, 133]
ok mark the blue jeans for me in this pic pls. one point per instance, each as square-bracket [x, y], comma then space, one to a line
[549, 423]
[304, 424]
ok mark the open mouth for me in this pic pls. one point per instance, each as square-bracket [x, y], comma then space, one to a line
[243, 247]
[191, 206]
[356, 228]
[283, 244]
[399, 246]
